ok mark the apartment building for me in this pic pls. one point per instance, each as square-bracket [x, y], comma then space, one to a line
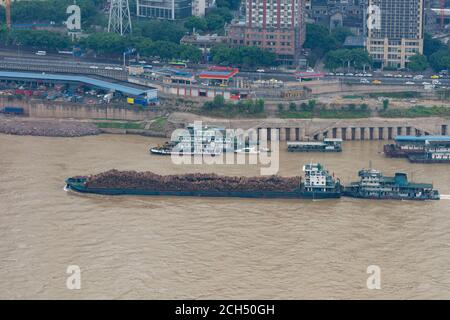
[275, 25]
[394, 31]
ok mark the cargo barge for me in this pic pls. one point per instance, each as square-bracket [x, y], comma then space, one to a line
[318, 184]
[373, 185]
[327, 145]
[435, 151]
[423, 149]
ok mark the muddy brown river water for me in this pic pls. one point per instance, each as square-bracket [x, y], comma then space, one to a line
[173, 247]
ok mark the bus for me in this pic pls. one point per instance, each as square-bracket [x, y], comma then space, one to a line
[178, 64]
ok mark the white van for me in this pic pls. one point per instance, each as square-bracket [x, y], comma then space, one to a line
[41, 53]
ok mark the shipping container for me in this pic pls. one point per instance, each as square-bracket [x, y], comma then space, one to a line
[13, 110]
[141, 102]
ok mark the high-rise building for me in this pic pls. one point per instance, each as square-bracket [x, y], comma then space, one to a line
[199, 7]
[164, 9]
[275, 25]
[394, 31]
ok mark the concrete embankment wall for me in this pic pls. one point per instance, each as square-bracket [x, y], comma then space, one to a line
[310, 129]
[287, 129]
[61, 110]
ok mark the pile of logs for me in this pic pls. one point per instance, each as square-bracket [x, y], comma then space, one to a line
[189, 182]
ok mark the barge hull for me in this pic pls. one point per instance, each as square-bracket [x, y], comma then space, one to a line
[217, 194]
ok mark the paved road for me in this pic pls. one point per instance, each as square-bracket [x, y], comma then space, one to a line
[100, 65]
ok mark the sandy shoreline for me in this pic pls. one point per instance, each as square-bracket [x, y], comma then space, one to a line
[47, 128]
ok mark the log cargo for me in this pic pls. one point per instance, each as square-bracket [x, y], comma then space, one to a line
[190, 182]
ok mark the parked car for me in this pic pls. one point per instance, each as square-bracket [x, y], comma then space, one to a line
[418, 77]
[409, 83]
[363, 80]
[376, 82]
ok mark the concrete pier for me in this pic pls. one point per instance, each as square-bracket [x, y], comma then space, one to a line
[346, 129]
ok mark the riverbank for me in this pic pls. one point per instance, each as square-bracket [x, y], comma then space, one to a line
[47, 127]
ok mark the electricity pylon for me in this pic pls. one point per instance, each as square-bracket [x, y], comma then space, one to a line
[119, 17]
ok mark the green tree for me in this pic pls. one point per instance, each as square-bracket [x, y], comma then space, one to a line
[223, 12]
[440, 60]
[197, 23]
[164, 30]
[418, 62]
[230, 4]
[341, 33]
[280, 108]
[246, 56]
[292, 106]
[54, 10]
[105, 43]
[41, 39]
[341, 58]
[385, 104]
[219, 101]
[319, 40]
[431, 45]
[189, 53]
[215, 22]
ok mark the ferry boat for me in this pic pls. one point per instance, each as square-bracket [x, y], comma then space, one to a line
[435, 151]
[251, 150]
[165, 149]
[413, 145]
[187, 149]
[318, 184]
[201, 141]
[373, 185]
[327, 145]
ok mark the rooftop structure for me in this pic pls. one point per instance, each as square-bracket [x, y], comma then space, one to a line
[422, 139]
[203, 42]
[149, 94]
[171, 75]
[218, 74]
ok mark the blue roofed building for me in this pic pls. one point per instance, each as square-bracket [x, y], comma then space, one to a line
[127, 90]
